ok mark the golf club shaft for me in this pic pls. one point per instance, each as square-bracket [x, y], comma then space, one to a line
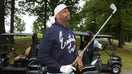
[81, 53]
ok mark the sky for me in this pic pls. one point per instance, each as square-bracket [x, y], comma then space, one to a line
[30, 19]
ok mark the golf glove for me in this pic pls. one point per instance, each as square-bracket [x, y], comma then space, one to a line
[66, 69]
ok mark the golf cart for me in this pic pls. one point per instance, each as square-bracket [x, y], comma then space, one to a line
[87, 58]
[114, 63]
[21, 65]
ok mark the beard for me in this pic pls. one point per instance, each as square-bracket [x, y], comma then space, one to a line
[66, 18]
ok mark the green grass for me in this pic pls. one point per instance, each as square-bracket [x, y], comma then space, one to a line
[20, 45]
[126, 56]
[125, 53]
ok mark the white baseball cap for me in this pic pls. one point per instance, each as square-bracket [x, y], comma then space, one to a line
[59, 8]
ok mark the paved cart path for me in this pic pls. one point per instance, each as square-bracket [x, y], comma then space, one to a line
[123, 72]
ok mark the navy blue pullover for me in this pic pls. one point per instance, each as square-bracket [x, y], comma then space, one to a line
[57, 48]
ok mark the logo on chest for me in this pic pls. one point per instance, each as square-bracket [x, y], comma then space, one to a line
[68, 42]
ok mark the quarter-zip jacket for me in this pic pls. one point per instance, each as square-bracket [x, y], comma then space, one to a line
[57, 48]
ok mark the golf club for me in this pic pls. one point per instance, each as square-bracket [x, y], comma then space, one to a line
[113, 7]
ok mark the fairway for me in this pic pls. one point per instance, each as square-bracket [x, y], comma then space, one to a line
[125, 53]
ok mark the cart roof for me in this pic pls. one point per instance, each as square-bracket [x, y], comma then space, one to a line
[87, 34]
[16, 34]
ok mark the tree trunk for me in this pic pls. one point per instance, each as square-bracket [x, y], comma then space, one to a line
[12, 20]
[129, 37]
[2, 13]
[120, 36]
[2, 25]
[45, 14]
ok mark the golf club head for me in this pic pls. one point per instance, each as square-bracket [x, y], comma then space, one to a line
[113, 7]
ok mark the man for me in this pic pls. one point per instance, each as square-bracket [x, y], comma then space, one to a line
[57, 48]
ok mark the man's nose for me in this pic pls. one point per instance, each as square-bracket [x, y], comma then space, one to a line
[68, 13]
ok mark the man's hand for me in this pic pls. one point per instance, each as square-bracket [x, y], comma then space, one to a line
[80, 63]
[66, 69]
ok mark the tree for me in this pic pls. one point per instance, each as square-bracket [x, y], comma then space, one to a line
[12, 20]
[12, 16]
[2, 13]
[124, 9]
[8, 9]
[43, 9]
[98, 10]
[19, 25]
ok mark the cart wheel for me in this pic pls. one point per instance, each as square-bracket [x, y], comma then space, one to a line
[116, 69]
